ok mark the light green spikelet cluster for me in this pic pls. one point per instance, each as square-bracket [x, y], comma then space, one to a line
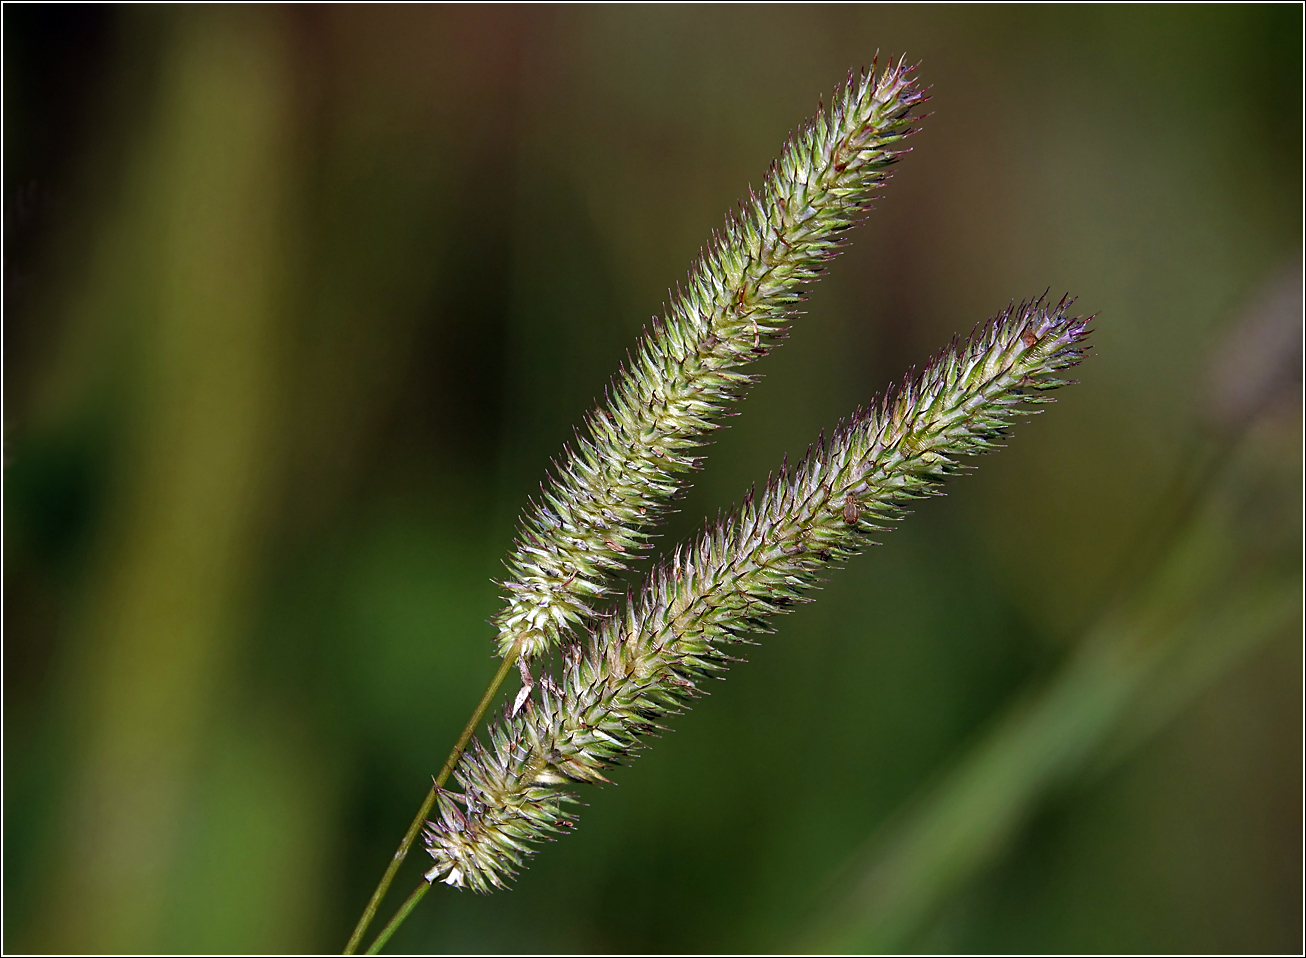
[649, 661]
[594, 514]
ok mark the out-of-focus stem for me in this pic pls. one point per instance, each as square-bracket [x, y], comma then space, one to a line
[973, 813]
[1198, 609]
[190, 265]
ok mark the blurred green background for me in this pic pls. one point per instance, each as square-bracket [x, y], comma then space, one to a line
[300, 302]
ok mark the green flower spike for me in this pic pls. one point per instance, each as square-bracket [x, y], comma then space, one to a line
[648, 661]
[594, 514]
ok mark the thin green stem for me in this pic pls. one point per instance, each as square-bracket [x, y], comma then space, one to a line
[377, 896]
[409, 904]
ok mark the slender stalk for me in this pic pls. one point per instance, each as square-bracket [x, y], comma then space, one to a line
[375, 902]
[409, 904]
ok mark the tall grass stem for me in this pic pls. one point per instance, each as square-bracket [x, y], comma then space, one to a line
[409, 836]
[393, 924]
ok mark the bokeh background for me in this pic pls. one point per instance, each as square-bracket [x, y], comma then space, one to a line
[299, 302]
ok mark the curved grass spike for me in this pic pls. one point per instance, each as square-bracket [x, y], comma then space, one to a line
[594, 512]
[647, 661]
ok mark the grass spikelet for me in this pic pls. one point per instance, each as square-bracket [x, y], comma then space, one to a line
[594, 513]
[649, 659]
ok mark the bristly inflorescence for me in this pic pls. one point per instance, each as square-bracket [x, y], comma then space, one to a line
[594, 513]
[648, 661]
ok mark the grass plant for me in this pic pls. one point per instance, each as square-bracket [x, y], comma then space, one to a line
[626, 668]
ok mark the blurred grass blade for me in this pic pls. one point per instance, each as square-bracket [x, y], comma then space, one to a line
[965, 822]
[1207, 604]
[194, 254]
